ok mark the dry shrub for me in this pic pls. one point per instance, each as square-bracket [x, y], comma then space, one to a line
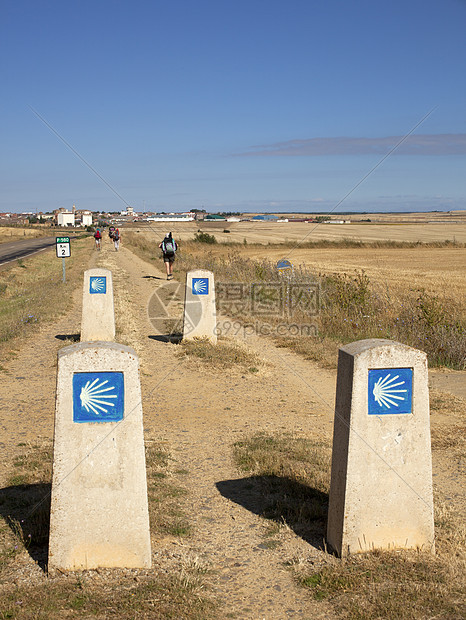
[352, 307]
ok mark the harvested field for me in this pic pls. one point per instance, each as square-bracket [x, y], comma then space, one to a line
[290, 232]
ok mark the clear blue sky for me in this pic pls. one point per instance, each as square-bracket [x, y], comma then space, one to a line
[236, 105]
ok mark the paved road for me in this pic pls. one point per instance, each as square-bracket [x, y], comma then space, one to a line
[14, 250]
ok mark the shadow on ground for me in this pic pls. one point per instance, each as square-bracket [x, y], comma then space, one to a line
[283, 500]
[72, 337]
[173, 338]
[26, 509]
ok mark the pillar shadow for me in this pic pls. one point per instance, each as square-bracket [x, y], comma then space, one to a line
[153, 278]
[72, 337]
[26, 510]
[173, 338]
[281, 499]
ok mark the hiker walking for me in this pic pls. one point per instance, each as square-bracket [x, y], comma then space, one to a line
[98, 238]
[116, 239]
[168, 247]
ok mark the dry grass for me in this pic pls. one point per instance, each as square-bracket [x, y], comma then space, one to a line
[173, 592]
[393, 229]
[352, 308]
[165, 493]
[290, 478]
[12, 233]
[288, 471]
[352, 305]
[450, 433]
[109, 595]
[32, 292]
[225, 354]
[404, 585]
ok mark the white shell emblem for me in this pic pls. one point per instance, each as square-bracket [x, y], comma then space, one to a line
[97, 284]
[385, 393]
[95, 397]
[200, 286]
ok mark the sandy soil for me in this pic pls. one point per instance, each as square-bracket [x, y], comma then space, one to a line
[199, 413]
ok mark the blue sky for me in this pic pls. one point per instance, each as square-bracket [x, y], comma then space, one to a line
[235, 105]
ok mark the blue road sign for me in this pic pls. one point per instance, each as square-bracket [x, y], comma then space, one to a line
[390, 391]
[98, 285]
[284, 265]
[98, 396]
[200, 286]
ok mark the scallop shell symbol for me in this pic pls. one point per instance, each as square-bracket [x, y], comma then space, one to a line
[385, 393]
[200, 286]
[97, 284]
[95, 396]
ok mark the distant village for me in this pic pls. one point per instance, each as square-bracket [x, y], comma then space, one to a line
[83, 218]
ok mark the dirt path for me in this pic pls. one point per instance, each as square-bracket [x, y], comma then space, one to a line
[199, 413]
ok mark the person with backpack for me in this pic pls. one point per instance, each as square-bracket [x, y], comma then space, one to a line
[97, 237]
[168, 247]
[116, 239]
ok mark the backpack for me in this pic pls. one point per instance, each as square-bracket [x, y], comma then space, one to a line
[97, 235]
[115, 235]
[169, 247]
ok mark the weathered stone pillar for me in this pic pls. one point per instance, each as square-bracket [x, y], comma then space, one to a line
[381, 486]
[99, 511]
[98, 316]
[200, 317]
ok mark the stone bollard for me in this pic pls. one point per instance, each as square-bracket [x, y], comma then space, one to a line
[98, 316]
[99, 512]
[381, 486]
[200, 317]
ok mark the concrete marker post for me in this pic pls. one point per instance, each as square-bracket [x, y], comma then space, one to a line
[200, 316]
[98, 315]
[381, 484]
[99, 510]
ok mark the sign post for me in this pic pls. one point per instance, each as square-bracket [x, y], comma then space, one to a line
[63, 251]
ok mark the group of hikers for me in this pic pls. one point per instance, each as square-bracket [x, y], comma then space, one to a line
[168, 247]
[114, 235]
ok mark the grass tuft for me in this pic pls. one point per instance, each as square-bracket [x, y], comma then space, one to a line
[290, 479]
[164, 493]
[224, 354]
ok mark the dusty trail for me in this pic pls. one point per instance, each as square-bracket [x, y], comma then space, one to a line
[199, 413]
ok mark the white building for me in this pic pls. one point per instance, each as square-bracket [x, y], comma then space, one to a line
[170, 218]
[86, 218]
[65, 218]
